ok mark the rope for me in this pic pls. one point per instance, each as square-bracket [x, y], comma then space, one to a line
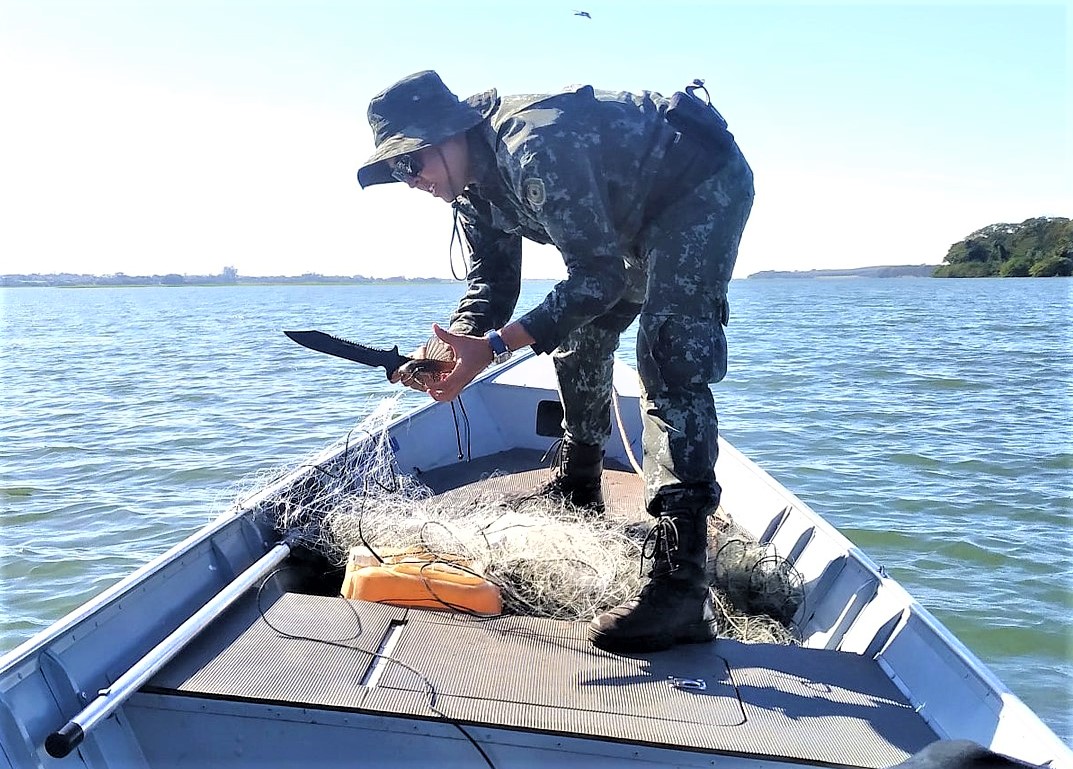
[622, 432]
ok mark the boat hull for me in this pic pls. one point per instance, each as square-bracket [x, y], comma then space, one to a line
[873, 665]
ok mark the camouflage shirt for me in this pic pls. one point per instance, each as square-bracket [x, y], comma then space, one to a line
[576, 170]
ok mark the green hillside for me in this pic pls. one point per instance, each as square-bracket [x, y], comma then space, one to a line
[1037, 248]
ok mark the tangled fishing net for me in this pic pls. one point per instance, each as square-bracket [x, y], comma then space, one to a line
[547, 559]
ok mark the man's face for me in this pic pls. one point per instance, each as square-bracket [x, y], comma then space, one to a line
[438, 170]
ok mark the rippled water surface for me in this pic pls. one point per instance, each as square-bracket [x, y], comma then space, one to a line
[928, 419]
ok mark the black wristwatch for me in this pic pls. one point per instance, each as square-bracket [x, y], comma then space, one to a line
[500, 352]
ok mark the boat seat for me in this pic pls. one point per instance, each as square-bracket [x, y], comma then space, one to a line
[538, 675]
[543, 676]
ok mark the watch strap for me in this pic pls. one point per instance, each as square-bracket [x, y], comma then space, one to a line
[500, 352]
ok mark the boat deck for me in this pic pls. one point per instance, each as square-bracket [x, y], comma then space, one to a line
[539, 676]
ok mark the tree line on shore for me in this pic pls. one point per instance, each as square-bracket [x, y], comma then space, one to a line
[1035, 248]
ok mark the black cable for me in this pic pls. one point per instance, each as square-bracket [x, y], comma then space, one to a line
[455, 235]
[361, 534]
[472, 741]
[469, 431]
[285, 634]
[458, 432]
[430, 689]
[342, 642]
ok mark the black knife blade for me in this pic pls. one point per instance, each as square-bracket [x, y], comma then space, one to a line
[341, 348]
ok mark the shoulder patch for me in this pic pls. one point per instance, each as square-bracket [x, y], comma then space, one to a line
[535, 195]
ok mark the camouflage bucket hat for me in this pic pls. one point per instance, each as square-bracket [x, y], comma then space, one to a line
[417, 112]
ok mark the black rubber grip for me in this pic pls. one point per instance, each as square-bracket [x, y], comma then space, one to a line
[59, 744]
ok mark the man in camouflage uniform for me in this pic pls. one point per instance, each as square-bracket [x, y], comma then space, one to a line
[646, 199]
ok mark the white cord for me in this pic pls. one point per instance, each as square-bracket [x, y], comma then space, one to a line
[622, 432]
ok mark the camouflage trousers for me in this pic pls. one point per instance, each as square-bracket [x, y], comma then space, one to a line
[678, 283]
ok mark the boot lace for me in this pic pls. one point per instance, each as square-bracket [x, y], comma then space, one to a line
[555, 452]
[552, 486]
[658, 547]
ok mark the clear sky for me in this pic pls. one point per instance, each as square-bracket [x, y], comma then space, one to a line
[155, 136]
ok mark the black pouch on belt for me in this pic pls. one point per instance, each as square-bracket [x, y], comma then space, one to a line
[698, 119]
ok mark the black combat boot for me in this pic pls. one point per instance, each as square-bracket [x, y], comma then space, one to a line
[674, 606]
[577, 479]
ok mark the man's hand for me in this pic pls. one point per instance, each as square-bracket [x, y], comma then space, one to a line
[472, 356]
[433, 361]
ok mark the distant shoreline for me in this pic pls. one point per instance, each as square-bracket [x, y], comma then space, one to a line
[67, 280]
[73, 280]
[884, 271]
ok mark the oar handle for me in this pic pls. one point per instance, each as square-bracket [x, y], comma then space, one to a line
[61, 743]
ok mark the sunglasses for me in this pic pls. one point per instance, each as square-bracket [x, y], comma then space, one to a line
[406, 169]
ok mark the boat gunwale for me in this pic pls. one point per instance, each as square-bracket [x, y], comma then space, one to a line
[245, 512]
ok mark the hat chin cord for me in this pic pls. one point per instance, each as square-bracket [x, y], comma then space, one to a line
[455, 234]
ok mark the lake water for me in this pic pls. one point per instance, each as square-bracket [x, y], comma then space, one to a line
[928, 419]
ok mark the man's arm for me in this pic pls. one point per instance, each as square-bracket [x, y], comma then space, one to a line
[495, 277]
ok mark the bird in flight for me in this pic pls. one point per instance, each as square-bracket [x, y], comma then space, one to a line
[586, 14]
